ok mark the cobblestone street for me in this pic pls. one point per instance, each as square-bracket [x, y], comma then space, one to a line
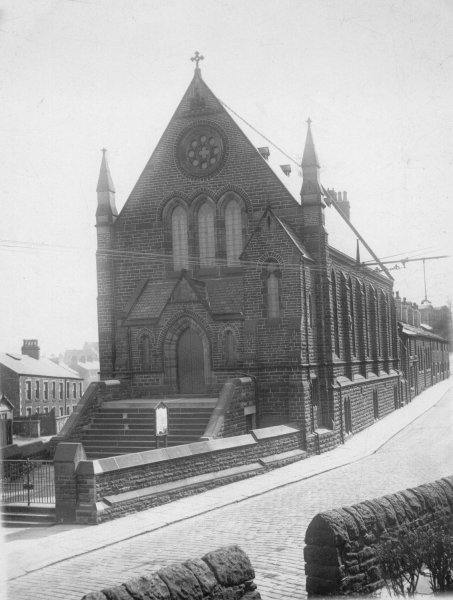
[270, 527]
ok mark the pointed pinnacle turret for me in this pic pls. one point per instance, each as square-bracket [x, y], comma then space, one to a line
[105, 183]
[106, 213]
[310, 158]
[312, 192]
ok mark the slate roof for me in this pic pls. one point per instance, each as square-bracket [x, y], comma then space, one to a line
[341, 236]
[44, 367]
[152, 300]
[226, 295]
[421, 332]
[296, 241]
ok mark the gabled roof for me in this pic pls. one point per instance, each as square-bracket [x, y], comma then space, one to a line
[152, 300]
[43, 367]
[219, 296]
[292, 236]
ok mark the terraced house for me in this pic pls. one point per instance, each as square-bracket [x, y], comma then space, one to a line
[223, 263]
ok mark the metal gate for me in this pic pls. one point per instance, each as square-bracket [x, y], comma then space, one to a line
[27, 481]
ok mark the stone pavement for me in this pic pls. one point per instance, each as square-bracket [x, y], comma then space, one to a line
[267, 515]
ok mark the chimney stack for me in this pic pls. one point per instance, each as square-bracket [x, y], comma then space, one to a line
[344, 205]
[31, 348]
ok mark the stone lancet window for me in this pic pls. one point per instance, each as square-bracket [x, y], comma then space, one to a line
[179, 239]
[366, 325]
[389, 301]
[352, 317]
[272, 275]
[375, 404]
[230, 349]
[310, 312]
[336, 331]
[378, 323]
[347, 415]
[233, 230]
[206, 235]
[145, 351]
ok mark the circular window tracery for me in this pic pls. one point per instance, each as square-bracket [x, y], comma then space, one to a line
[201, 150]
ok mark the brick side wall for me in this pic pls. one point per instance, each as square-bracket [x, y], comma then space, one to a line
[340, 551]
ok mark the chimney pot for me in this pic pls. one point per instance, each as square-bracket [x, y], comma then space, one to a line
[31, 348]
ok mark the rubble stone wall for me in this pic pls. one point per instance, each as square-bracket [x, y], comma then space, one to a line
[340, 551]
[226, 573]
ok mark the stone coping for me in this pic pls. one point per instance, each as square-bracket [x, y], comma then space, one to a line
[164, 488]
[114, 463]
[153, 402]
[283, 456]
[275, 431]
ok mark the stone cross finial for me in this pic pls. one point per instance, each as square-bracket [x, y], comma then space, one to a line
[197, 58]
[103, 150]
[309, 121]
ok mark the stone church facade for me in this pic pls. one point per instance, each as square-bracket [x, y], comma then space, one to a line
[215, 269]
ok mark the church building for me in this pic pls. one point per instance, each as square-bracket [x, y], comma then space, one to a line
[225, 263]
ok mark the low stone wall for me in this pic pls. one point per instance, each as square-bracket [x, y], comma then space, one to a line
[224, 574]
[113, 487]
[228, 418]
[340, 551]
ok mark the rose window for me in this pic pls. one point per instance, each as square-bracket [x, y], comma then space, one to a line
[201, 151]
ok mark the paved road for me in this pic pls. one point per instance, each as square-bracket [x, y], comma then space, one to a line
[270, 527]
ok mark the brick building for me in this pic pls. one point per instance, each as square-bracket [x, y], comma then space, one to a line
[424, 355]
[37, 385]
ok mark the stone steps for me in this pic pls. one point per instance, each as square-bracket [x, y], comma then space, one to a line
[21, 515]
[126, 427]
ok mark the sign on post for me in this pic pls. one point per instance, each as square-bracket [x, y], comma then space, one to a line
[161, 423]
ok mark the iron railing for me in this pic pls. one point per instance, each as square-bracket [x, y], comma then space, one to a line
[27, 481]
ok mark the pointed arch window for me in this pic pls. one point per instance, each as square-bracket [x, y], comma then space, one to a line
[206, 235]
[335, 315]
[272, 289]
[310, 312]
[352, 317]
[367, 333]
[233, 227]
[230, 350]
[145, 351]
[179, 239]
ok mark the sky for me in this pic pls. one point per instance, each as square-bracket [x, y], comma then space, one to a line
[375, 77]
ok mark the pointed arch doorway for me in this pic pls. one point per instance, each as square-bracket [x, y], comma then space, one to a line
[190, 363]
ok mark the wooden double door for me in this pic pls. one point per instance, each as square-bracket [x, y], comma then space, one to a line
[190, 363]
